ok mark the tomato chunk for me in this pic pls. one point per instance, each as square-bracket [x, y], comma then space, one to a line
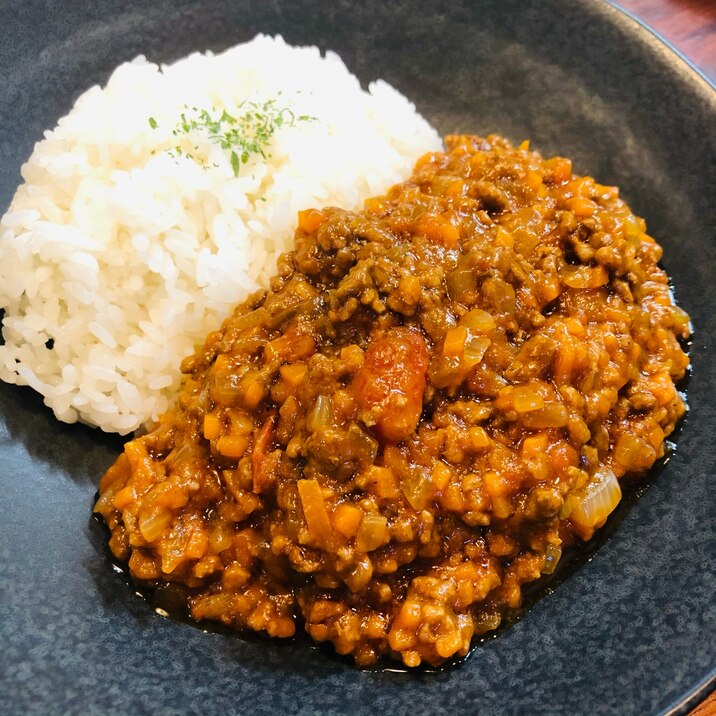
[388, 387]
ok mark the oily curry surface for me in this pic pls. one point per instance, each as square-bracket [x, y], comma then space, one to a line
[437, 395]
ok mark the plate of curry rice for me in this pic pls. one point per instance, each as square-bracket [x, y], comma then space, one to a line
[455, 454]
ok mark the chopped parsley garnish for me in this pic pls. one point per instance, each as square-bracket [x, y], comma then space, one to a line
[246, 134]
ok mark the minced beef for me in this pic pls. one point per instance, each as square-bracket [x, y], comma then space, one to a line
[437, 395]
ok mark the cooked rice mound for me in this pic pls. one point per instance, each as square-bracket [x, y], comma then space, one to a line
[119, 253]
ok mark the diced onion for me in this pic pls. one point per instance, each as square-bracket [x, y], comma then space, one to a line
[361, 445]
[527, 399]
[322, 413]
[373, 533]
[599, 498]
[417, 487]
[475, 348]
[249, 320]
[460, 282]
[478, 320]
[154, 522]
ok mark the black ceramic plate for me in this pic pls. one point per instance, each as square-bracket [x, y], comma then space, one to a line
[630, 632]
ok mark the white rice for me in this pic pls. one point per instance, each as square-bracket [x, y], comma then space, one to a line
[117, 258]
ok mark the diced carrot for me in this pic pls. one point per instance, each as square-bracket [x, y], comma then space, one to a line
[314, 510]
[662, 387]
[581, 207]
[381, 481]
[549, 289]
[583, 277]
[533, 180]
[197, 544]
[447, 645]
[561, 169]
[455, 188]
[309, 220]
[289, 348]
[222, 363]
[375, 206]
[410, 289]
[293, 373]
[495, 484]
[262, 441]
[504, 238]
[534, 445]
[454, 342]
[343, 404]
[452, 498]
[409, 616]
[479, 439]
[656, 437]
[477, 160]
[352, 354]
[252, 392]
[441, 475]
[582, 186]
[607, 192]
[346, 519]
[438, 229]
[425, 159]
[241, 423]
[124, 497]
[232, 446]
[574, 326]
[212, 426]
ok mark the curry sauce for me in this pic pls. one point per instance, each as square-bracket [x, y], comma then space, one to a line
[437, 395]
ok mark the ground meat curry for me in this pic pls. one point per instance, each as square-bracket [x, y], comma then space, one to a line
[437, 395]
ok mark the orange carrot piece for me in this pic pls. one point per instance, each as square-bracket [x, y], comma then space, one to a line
[454, 342]
[212, 426]
[438, 229]
[346, 519]
[314, 510]
[309, 220]
[261, 444]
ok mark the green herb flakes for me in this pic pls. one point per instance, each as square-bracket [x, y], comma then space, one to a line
[244, 135]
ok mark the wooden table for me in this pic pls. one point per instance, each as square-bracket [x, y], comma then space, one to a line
[690, 26]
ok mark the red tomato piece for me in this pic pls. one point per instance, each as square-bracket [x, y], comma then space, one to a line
[389, 386]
